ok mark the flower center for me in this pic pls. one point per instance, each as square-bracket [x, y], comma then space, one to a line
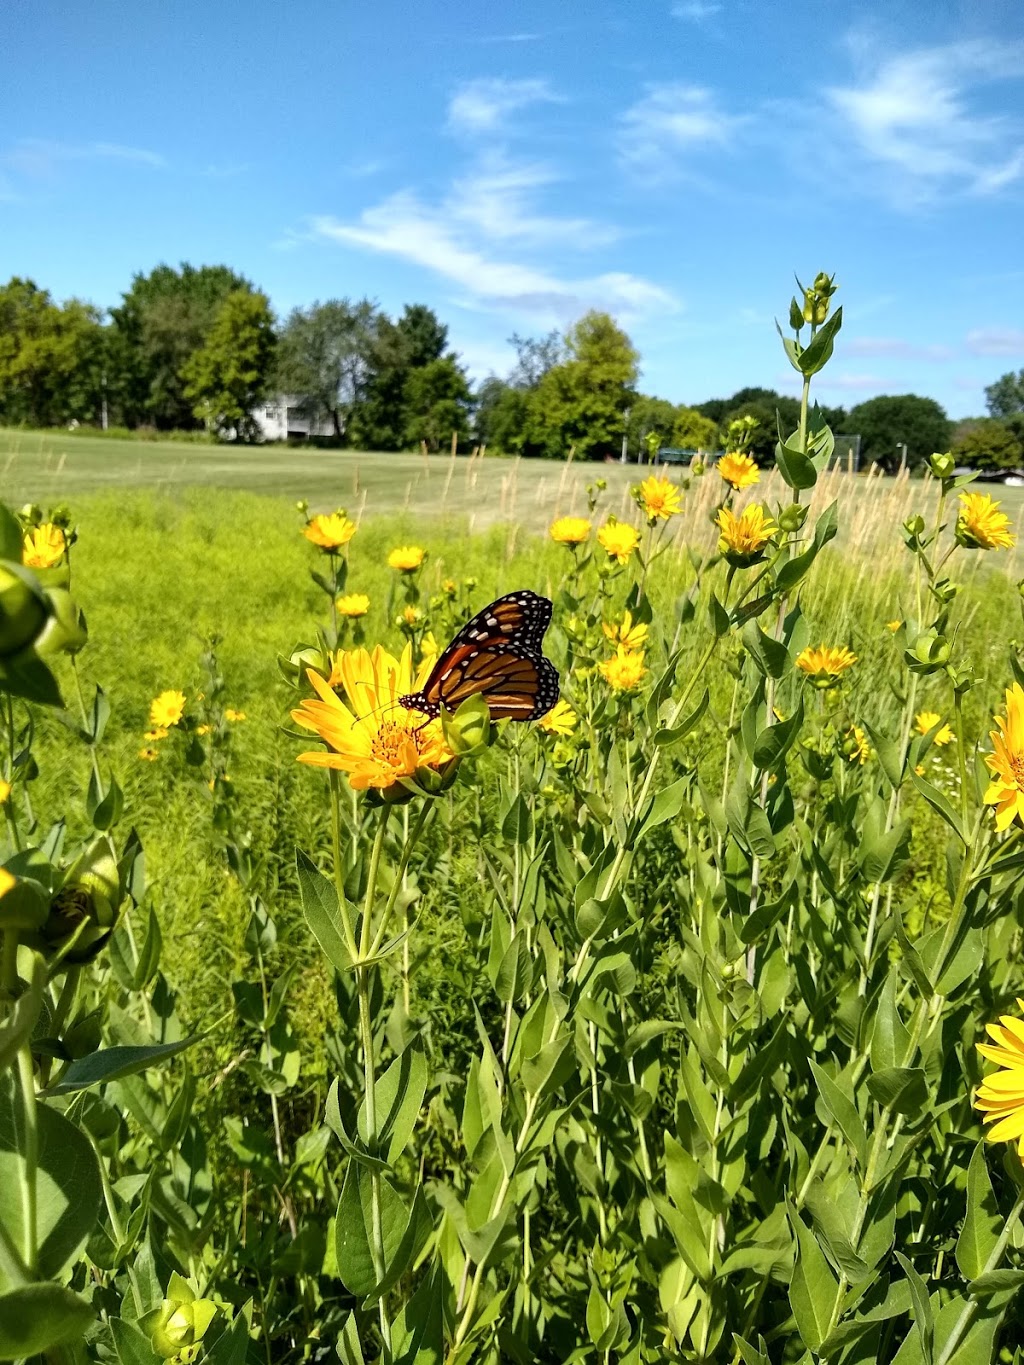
[1017, 768]
[389, 740]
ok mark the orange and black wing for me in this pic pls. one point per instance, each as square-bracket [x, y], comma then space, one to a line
[515, 684]
[518, 618]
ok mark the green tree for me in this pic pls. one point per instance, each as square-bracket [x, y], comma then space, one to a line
[888, 422]
[988, 444]
[51, 357]
[227, 376]
[381, 420]
[325, 358]
[502, 414]
[582, 401]
[647, 415]
[164, 318]
[691, 430]
[1006, 396]
[437, 402]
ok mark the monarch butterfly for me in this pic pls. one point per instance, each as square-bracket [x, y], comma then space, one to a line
[496, 655]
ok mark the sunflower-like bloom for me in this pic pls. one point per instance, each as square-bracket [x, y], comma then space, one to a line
[569, 530]
[166, 710]
[618, 540]
[926, 720]
[449, 587]
[353, 604]
[1006, 790]
[738, 470]
[1000, 1097]
[855, 746]
[44, 546]
[149, 754]
[235, 717]
[744, 537]
[625, 633]
[406, 558]
[893, 626]
[980, 526]
[659, 497]
[156, 735]
[410, 616]
[7, 881]
[624, 670]
[560, 720]
[371, 738]
[5, 792]
[329, 531]
[825, 663]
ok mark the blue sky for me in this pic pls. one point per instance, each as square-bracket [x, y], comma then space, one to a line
[673, 161]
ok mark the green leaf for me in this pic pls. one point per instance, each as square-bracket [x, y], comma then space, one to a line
[323, 913]
[841, 1108]
[888, 751]
[983, 1222]
[398, 1097]
[11, 537]
[902, 1088]
[354, 1230]
[666, 805]
[890, 1039]
[774, 742]
[882, 852]
[23, 1014]
[770, 655]
[995, 1282]
[515, 973]
[818, 351]
[717, 615]
[688, 723]
[924, 1318]
[132, 1345]
[111, 1063]
[813, 1289]
[794, 465]
[38, 1317]
[939, 803]
[517, 826]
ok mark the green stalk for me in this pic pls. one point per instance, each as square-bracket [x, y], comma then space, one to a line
[339, 873]
[30, 1156]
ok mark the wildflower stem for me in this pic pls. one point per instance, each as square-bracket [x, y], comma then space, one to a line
[30, 1159]
[12, 821]
[961, 753]
[339, 872]
[972, 1305]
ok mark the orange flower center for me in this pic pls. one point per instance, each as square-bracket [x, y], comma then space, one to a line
[388, 742]
[1017, 768]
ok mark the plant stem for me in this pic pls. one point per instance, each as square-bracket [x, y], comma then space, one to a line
[339, 871]
[30, 1157]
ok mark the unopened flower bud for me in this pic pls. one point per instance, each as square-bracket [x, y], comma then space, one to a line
[697, 466]
[791, 518]
[942, 465]
[914, 526]
[24, 609]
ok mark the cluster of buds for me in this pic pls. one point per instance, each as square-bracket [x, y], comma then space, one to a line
[177, 1327]
[816, 301]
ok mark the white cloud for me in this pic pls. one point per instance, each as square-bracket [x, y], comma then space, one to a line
[672, 117]
[894, 347]
[483, 105]
[854, 383]
[495, 199]
[996, 341]
[916, 114]
[37, 157]
[696, 11]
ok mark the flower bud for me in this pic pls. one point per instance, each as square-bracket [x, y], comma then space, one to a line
[929, 653]
[942, 465]
[791, 518]
[468, 731]
[24, 609]
[914, 526]
[84, 911]
[180, 1322]
[697, 466]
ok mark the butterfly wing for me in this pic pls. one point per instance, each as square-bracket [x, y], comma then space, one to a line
[515, 684]
[520, 617]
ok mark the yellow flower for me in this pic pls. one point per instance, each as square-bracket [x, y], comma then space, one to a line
[5, 792]
[569, 530]
[353, 604]
[406, 558]
[329, 531]
[203, 729]
[660, 498]
[744, 537]
[411, 616]
[624, 670]
[149, 754]
[738, 470]
[1000, 1097]
[156, 734]
[618, 539]
[925, 720]
[893, 626]
[979, 526]
[824, 664]
[166, 710]
[1006, 791]
[7, 881]
[428, 645]
[234, 716]
[625, 633]
[560, 720]
[44, 546]
[449, 587]
[856, 748]
[372, 738]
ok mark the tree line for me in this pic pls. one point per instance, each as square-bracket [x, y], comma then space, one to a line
[199, 348]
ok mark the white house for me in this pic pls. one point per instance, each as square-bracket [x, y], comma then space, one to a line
[284, 416]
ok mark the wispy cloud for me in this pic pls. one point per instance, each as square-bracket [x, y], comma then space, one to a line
[996, 341]
[895, 348]
[510, 38]
[696, 11]
[916, 115]
[40, 158]
[497, 199]
[672, 118]
[483, 105]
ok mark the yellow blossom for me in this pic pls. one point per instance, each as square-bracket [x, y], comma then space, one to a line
[659, 497]
[7, 881]
[625, 633]
[1006, 790]
[45, 545]
[569, 530]
[980, 526]
[449, 587]
[926, 720]
[406, 558]
[893, 626]
[855, 746]
[560, 720]
[428, 645]
[5, 792]
[624, 670]
[738, 470]
[618, 540]
[157, 734]
[329, 531]
[166, 709]
[372, 738]
[1000, 1097]
[411, 616]
[825, 663]
[353, 604]
[203, 729]
[235, 717]
[744, 537]
[149, 754]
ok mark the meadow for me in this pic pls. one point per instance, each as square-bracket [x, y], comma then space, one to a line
[642, 1032]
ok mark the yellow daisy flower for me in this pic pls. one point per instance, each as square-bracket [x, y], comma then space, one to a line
[235, 717]
[1006, 790]
[7, 881]
[44, 546]
[569, 530]
[625, 633]
[738, 470]
[825, 663]
[371, 738]
[5, 792]
[149, 754]
[744, 537]
[560, 720]
[203, 729]
[893, 626]
[625, 670]
[856, 748]
[353, 604]
[618, 540]
[166, 709]
[980, 526]
[659, 497]
[411, 616]
[157, 734]
[329, 531]
[925, 720]
[1000, 1097]
[406, 558]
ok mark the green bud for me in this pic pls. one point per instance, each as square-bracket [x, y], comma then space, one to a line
[914, 526]
[929, 653]
[181, 1321]
[84, 911]
[468, 731]
[942, 465]
[823, 284]
[791, 518]
[697, 466]
[24, 608]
